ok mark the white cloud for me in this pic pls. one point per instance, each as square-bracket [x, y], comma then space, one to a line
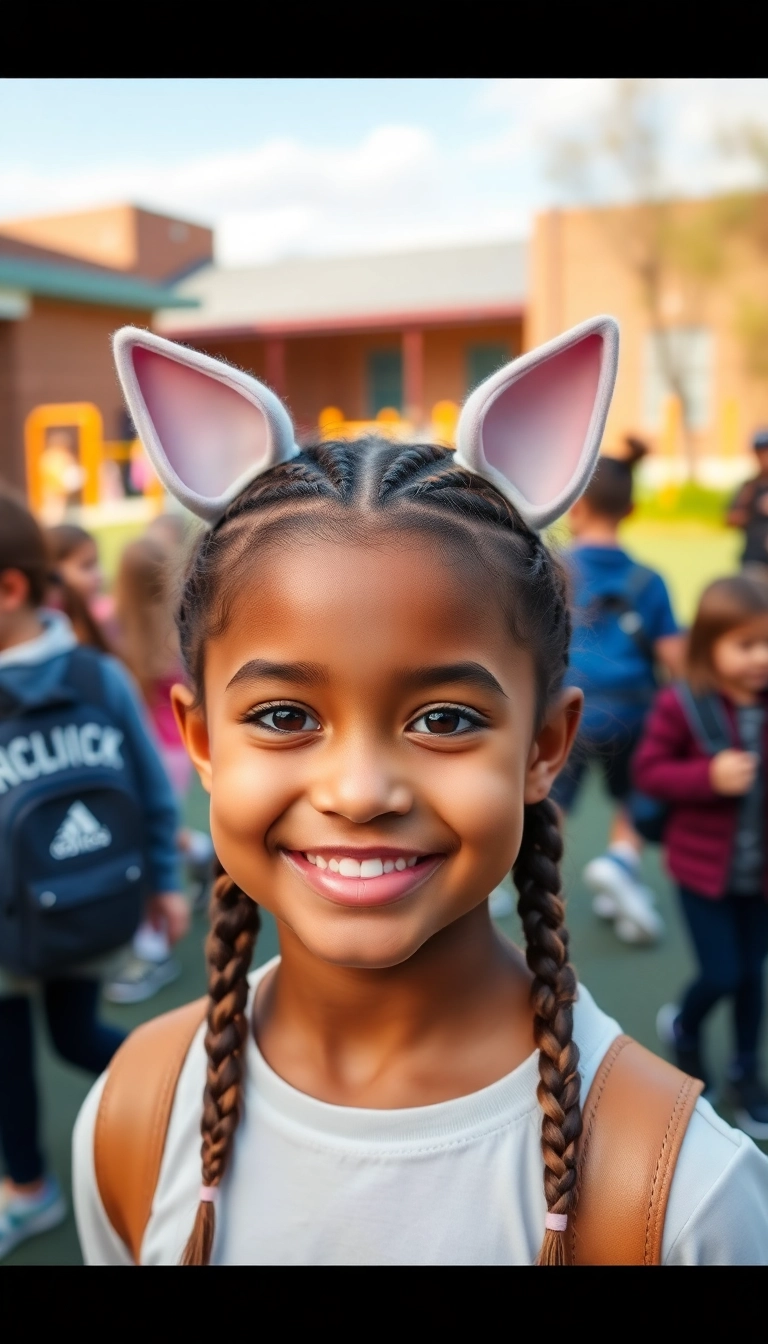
[399, 186]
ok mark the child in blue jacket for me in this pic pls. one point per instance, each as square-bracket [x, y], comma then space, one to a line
[35, 649]
[623, 627]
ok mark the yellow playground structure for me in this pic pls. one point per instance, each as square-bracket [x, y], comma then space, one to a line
[440, 429]
[71, 465]
[68, 460]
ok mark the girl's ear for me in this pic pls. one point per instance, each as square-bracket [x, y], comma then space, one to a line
[208, 428]
[193, 731]
[533, 429]
[552, 745]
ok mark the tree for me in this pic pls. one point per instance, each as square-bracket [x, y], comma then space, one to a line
[669, 250]
[747, 215]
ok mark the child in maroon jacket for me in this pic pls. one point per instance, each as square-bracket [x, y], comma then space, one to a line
[715, 833]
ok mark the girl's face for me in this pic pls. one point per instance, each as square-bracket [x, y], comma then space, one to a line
[368, 745]
[740, 657]
[81, 571]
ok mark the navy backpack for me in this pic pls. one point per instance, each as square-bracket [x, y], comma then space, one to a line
[73, 869]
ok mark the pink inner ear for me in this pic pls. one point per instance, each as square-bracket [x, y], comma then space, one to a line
[209, 433]
[534, 432]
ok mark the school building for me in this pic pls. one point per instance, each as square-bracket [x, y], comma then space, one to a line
[396, 334]
[362, 334]
[66, 283]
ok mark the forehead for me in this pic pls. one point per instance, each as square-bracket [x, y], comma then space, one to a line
[755, 627]
[363, 606]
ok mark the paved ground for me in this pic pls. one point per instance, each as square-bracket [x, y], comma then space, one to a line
[629, 983]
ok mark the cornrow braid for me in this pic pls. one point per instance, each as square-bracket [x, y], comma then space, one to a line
[229, 948]
[542, 914]
[333, 484]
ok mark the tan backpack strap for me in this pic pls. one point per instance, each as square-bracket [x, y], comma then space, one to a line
[635, 1119]
[133, 1116]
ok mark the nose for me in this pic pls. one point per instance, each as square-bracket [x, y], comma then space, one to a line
[359, 781]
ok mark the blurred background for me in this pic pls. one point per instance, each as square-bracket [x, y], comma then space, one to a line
[373, 249]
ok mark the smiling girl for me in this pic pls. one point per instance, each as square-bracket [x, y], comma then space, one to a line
[375, 638]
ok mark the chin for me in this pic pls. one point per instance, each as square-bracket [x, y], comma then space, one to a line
[363, 948]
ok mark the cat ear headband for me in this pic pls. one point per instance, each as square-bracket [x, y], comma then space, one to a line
[532, 429]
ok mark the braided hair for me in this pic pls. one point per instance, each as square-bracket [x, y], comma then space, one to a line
[348, 489]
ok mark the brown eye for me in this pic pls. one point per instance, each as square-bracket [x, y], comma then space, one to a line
[450, 721]
[286, 719]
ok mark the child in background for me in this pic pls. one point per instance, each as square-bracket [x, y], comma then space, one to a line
[748, 510]
[35, 649]
[75, 557]
[145, 593]
[622, 627]
[715, 832]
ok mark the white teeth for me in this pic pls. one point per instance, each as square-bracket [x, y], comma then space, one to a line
[364, 868]
[349, 868]
[371, 868]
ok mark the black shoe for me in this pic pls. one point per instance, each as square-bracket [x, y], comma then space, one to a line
[750, 1106]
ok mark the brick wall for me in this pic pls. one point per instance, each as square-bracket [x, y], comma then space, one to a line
[60, 353]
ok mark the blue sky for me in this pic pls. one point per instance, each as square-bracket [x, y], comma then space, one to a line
[315, 166]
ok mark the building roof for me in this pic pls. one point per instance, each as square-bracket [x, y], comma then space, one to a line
[354, 292]
[24, 274]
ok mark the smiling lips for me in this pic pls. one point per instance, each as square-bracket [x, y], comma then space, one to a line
[371, 878]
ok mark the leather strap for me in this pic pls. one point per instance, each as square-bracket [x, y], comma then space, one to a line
[133, 1117]
[635, 1118]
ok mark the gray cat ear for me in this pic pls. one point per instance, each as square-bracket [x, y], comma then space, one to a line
[208, 428]
[533, 429]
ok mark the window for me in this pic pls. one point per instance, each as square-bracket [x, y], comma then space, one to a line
[385, 380]
[686, 353]
[483, 360]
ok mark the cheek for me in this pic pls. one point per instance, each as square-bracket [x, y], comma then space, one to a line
[249, 790]
[481, 799]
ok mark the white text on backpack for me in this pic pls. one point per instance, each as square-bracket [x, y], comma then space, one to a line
[63, 748]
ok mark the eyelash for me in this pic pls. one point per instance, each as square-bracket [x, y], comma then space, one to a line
[476, 720]
[256, 716]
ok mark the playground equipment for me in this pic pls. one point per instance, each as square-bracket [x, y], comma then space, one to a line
[440, 428]
[58, 472]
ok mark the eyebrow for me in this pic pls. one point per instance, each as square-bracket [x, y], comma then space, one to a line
[420, 678]
[471, 674]
[261, 669]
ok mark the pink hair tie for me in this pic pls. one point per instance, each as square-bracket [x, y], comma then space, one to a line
[209, 1194]
[556, 1222]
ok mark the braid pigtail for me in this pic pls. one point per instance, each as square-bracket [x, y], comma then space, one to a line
[542, 911]
[229, 948]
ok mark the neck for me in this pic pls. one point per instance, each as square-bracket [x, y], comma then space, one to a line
[365, 1031]
[601, 532]
[24, 626]
[740, 695]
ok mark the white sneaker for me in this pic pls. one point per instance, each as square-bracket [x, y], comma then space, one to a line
[23, 1216]
[141, 979]
[630, 903]
[500, 903]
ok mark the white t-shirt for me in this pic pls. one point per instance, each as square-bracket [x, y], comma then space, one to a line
[457, 1183]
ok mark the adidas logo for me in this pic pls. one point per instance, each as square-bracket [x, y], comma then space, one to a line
[79, 833]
